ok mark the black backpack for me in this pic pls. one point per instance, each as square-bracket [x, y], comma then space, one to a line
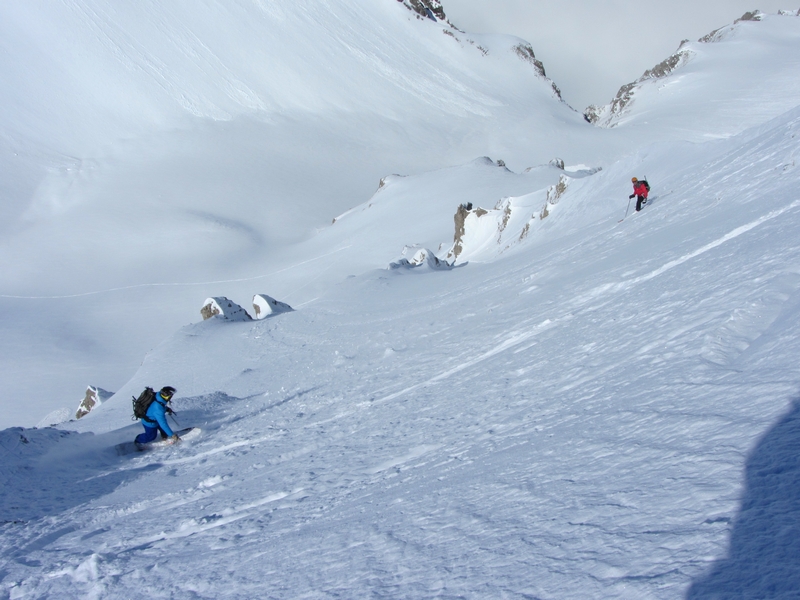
[142, 403]
[646, 185]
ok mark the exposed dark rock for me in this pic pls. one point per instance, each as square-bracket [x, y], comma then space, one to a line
[92, 399]
[554, 192]
[592, 113]
[458, 239]
[755, 15]
[424, 8]
[525, 52]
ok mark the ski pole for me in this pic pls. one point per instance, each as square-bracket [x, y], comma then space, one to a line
[172, 414]
[627, 209]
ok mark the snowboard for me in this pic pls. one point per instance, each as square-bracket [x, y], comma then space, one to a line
[130, 447]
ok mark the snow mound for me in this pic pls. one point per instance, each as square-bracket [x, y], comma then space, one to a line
[22, 444]
[56, 417]
[224, 309]
[266, 306]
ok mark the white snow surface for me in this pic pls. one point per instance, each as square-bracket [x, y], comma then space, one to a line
[583, 406]
[744, 73]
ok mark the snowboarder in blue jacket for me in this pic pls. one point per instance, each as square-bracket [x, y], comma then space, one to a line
[155, 418]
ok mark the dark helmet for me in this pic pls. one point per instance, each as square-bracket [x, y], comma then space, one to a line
[167, 392]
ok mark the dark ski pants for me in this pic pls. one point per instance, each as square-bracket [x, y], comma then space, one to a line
[639, 201]
[150, 433]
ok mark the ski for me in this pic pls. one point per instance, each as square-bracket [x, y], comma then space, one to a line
[186, 434]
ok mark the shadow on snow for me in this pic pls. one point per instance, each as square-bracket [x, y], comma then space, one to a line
[764, 556]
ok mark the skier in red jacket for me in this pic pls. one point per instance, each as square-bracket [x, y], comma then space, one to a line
[640, 190]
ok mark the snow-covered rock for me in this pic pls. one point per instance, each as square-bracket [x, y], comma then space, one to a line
[222, 308]
[723, 32]
[265, 306]
[554, 192]
[423, 257]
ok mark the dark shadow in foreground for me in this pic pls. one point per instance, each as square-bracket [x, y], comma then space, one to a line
[764, 557]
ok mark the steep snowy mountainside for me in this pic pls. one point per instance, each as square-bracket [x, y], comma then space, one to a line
[160, 147]
[733, 78]
[571, 421]
[109, 72]
[681, 221]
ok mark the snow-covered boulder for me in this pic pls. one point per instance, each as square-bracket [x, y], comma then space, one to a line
[423, 257]
[93, 398]
[265, 306]
[224, 309]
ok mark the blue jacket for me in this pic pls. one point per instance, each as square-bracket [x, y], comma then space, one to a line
[157, 415]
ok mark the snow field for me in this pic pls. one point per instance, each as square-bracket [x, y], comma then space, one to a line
[606, 409]
[523, 427]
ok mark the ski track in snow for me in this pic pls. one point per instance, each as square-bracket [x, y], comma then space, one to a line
[433, 499]
[520, 337]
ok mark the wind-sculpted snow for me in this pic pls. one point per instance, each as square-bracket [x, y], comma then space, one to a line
[607, 412]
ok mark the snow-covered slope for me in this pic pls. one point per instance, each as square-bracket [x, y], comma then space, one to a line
[570, 421]
[581, 405]
[159, 148]
[735, 77]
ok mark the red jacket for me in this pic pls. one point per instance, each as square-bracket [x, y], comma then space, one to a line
[639, 189]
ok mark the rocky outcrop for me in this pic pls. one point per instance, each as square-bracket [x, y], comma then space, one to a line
[431, 9]
[93, 398]
[477, 223]
[525, 52]
[222, 308]
[266, 306]
[554, 192]
[723, 32]
[460, 219]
